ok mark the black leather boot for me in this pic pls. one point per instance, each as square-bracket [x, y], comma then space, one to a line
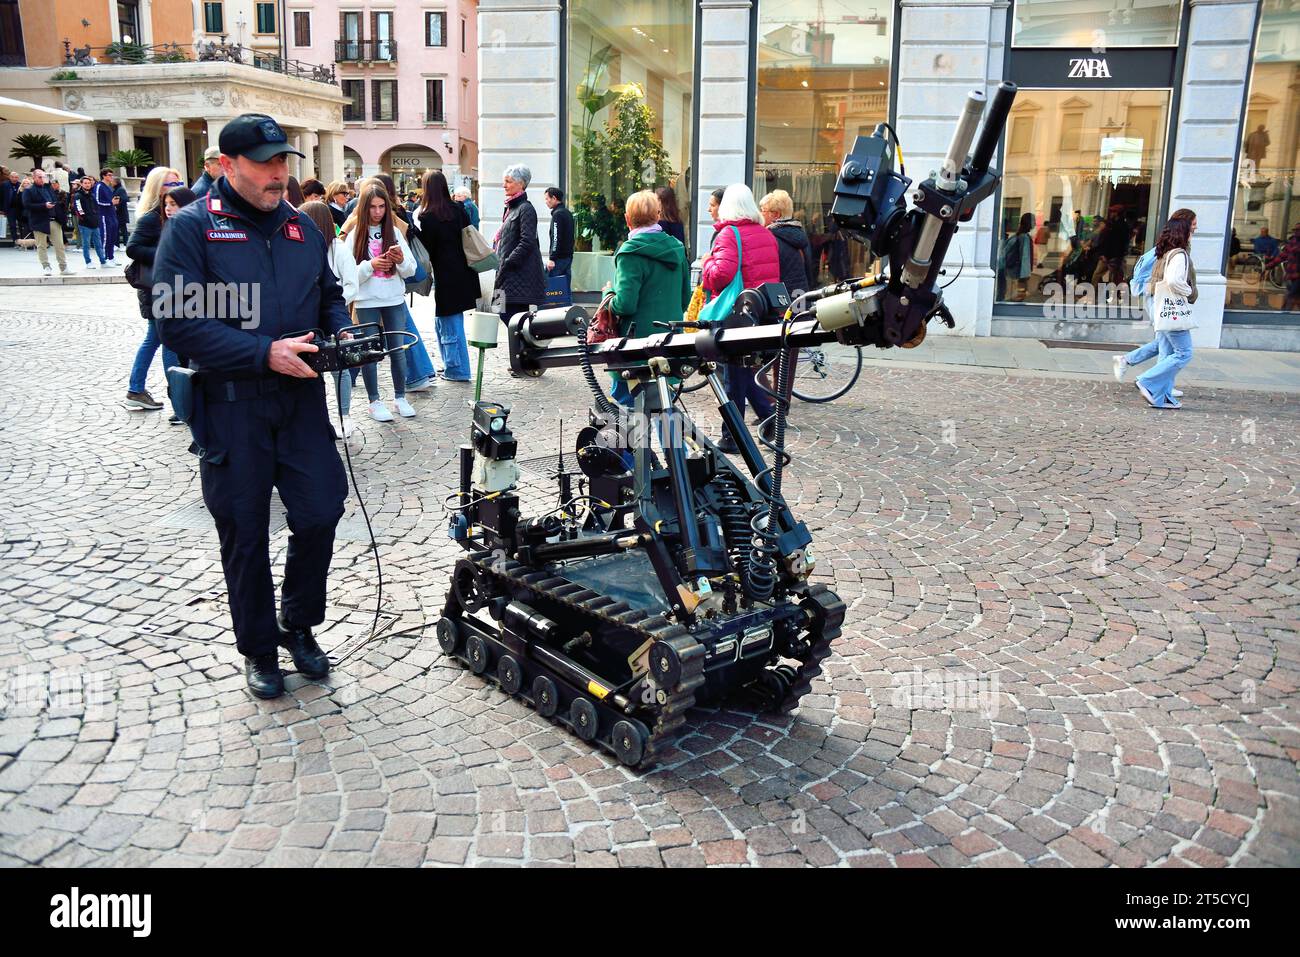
[263, 675]
[307, 656]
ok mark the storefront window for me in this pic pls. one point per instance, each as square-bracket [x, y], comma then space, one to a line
[1262, 267]
[631, 74]
[823, 80]
[1095, 24]
[1080, 193]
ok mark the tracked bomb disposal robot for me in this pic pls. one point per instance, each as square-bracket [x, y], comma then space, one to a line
[671, 576]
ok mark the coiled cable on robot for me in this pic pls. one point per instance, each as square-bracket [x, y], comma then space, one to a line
[761, 582]
[603, 404]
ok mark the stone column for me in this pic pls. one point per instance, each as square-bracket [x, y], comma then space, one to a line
[331, 156]
[724, 108]
[948, 48]
[125, 136]
[519, 101]
[176, 147]
[82, 147]
[215, 126]
[307, 143]
[1210, 115]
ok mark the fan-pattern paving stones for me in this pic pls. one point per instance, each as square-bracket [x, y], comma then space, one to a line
[1094, 606]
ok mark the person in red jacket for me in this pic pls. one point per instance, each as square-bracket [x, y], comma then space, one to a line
[759, 261]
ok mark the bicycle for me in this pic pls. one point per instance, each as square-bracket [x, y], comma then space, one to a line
[1254, 269]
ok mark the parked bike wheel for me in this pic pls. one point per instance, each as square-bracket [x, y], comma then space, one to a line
[820, 378]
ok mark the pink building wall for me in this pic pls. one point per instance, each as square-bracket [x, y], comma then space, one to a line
[369, 145]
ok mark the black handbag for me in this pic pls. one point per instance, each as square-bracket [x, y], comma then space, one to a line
[139, 275]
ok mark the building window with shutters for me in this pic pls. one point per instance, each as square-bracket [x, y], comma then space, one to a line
[381, 35]
[434, 106]
[11, 35]
[350, 37]
[383, 101]
[462, 35]
[302, 28]
[265, 18]
[435, 28]
[214, 18]
[354, 111]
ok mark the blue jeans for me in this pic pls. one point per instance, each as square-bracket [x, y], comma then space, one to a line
[1142, 353]
[349, 377]
[1175, 352]
[451, 342]
[392, 319]
[419, 367]
[741, 386]
[89, 235]
[144, 357]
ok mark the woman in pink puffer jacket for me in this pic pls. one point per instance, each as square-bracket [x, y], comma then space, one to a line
[759, 262]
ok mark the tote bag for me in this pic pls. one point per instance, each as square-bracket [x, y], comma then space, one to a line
[478, 254]
[719, 307]
[1171, 312]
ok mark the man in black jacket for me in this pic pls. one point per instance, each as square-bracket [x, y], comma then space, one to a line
[559, 261]
[9, 205]
[88, 222]
[260, 419]
[43, 216]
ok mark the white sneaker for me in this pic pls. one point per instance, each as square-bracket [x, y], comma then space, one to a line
[47, 270]
[1176, 393]
[404, 408]
[92, 265]
[1119, 367]
[379, 412]
[113, 262]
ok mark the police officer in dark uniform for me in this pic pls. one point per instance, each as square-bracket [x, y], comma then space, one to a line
[259, 417]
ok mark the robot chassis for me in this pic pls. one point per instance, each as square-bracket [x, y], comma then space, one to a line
[683, 580]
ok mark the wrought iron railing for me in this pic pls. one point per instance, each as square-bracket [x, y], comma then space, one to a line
[365, 51]
[207, 51]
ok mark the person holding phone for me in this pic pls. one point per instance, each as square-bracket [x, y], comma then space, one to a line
[374, 264]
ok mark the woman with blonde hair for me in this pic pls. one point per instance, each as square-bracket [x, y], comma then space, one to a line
[337, 194]
[651, 277]
[141, 249]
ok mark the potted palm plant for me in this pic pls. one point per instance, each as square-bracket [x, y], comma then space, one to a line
[34, 146]
[130, 160]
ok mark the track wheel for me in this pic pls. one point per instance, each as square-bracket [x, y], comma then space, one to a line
[509, 675]
[773, 686]
[629, 743]
[583, 716]
[476, 650]
[665, 665]
[448, 635]
[546, 699]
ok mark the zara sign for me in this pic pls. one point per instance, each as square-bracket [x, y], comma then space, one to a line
[1123, 68]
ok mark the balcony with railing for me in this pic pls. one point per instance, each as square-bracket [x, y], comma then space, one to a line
[365, 51]
[210, 51]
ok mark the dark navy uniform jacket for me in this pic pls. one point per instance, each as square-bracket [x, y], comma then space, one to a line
[218, 240]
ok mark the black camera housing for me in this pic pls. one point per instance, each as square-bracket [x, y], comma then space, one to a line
[365, 344]
[869, 195]
[496, 444]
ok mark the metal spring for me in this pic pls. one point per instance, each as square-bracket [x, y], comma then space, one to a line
[735, 527]
[602, 402]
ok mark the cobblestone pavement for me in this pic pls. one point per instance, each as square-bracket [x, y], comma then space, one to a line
[1072, 640]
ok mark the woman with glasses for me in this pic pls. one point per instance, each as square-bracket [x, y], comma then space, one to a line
[141, 249]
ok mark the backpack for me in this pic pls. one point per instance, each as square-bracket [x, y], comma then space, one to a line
[1142, 272]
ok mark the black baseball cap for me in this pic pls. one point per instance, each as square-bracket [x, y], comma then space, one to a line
[256, 136]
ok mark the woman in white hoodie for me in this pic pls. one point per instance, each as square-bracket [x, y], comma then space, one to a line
[374, 264]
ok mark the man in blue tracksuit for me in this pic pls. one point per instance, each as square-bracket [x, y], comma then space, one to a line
[260, 419]
[107, 200]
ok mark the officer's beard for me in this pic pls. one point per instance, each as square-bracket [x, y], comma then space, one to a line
[266, 199]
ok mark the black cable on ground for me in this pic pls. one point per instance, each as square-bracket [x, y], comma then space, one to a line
[374, 545]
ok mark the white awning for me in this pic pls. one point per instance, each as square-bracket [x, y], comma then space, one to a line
[16, 111]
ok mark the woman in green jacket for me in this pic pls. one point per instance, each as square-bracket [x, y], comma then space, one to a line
[651, 276]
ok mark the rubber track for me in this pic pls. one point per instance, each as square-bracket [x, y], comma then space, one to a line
[669, 714]
[831, 616]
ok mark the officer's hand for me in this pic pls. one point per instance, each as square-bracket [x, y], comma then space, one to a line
[283, 357]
